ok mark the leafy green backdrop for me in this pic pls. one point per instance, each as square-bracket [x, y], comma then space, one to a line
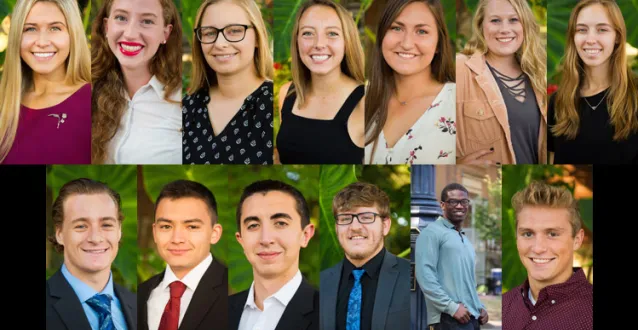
[123, 180]
[517, 177]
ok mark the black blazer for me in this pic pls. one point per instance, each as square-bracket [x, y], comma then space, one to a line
[302, 312]
[208, 310]
[391, 303]
[65, 312]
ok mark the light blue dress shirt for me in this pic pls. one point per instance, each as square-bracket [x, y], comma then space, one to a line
[84, 292]
[445, 270]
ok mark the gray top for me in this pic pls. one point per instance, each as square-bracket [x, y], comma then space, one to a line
[524, 117]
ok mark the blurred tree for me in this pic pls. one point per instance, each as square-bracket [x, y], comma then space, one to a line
[488, 215]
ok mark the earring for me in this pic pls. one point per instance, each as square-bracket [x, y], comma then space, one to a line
[164, 42]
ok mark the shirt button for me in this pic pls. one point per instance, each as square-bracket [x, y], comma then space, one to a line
[553, 302]
[534, 317]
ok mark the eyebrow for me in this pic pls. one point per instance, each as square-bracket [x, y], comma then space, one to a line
[506, 15]
[418, 25]
[597, 24]
[327, 27]
[559, 229]
[195, 220]
[272, 217]
[126, 12]
[52, 23]
[83, 219]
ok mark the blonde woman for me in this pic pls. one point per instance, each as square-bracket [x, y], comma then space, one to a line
[45, 95]
[227, 114]
[322, 112]
[136, 70]
[501, 105]
[593, 116]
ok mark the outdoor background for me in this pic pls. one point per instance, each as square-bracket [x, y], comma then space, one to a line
[579, 180]
[122, 179]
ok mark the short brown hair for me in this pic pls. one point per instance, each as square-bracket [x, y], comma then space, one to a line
[541, 194]
[81, 186]
[361, 194]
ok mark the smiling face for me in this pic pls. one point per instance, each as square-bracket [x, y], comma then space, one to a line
[502, 28]
[90, 234]
[595, 37]
[455, 214]
[135, 30]
[224, 57]
[546, 245]
[321, 40]
[183, 232]
[45, 42]
[271, 234]
[361, 242]
[411, 42]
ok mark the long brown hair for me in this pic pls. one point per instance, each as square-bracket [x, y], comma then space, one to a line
[382, 84]
[622, 102]
[108, 102]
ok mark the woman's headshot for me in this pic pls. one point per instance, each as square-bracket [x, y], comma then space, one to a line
[410, 103]
[136, 72]
[501, 94]
[593, 115]
[321, 109]
[45, 91]
[227, 113]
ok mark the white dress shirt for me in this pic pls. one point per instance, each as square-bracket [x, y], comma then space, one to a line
[255, 319]
[150, 129]
[160, 295]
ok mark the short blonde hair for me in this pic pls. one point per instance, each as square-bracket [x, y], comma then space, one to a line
[541, 194]
[361, 194]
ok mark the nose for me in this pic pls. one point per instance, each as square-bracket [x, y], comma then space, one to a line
[540, 245]
[221, 39]
[266, 235]
[178, 236]
[130, 31]
[407, 42]
[355, 223]
[320, 41]
[43, 40]
[95, 234]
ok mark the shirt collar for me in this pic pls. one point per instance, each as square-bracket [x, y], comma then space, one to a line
[283, 295]
[154, 84]
[191, 279]
[372, 267]
[578, 279]
[83, 290]
[445, 222]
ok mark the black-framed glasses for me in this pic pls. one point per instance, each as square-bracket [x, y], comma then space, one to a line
[455, 202]
[364, 217]
[232, 33]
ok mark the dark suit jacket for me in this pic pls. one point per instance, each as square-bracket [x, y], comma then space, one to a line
[392, 301]
[208, 309]
[64, 308]
[302, 312]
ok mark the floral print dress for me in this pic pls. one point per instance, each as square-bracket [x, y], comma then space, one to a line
[431, 140]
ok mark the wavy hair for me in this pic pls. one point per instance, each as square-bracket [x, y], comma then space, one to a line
[17, 77]
[531, 56]
[352, 64]
[204, 75]
[622, 102]
[109, 102]
[382, 84]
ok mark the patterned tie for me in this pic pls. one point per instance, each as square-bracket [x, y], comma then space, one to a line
[170, 318]
[101, 304]
[353, 320]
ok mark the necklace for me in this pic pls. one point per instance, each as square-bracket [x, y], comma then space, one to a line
[403, 103]
[596, 106]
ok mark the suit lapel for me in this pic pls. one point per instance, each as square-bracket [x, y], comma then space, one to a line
[236, 306]
[128, 303]
[209, 290]
[68, 306]
[385, 288]
[328, 296]
[301, 304]
[143, 294]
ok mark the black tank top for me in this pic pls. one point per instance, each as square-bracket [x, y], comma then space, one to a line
[313, 141]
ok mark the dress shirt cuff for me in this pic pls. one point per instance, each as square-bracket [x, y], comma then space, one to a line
[451, 308]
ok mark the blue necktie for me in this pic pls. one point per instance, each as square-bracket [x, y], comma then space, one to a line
[353, 320]
[101, 303]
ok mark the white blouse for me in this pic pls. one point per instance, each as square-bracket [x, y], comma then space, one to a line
[431, 140]
[150, 129]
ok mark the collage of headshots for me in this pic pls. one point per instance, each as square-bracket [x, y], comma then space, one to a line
[319, 164]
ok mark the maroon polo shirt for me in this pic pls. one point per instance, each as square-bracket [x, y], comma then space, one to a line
[564, 306]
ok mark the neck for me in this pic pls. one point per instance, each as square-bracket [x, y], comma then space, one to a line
[267, 286]
[97, 281]
[239, 84]
[597, 77]
[326, 85]
[360, 262]
[135, 79]
[537, 286]
[500, 62]
[457, 225]
[404, 85]
[48, 83]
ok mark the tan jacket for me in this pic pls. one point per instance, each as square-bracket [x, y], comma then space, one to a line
[481, 114]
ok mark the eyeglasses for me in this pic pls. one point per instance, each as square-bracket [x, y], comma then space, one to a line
[455, 202]
[232, 33]
[365, 218]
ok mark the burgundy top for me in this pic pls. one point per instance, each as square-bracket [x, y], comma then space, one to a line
[60, 134]
[565, 306]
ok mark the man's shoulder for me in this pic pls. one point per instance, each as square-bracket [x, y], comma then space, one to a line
[124, 293]
[151, 283]
[330, 269]
[238, 298]
[511, 295]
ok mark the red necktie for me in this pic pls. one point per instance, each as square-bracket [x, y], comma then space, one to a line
[170, 317]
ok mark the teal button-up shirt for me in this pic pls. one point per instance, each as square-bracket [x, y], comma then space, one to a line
[444, 263]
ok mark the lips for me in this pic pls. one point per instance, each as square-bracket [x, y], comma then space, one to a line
[96, 251]
[43, 56]
[593, 51]
[178, 252]
[505, 40]
[541, 261]
[357, 237]
[319, 58]
[406, 55]
[268, 255]
[130, 48]
[224, 57]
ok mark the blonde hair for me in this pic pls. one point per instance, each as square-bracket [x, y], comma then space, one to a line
[541, 194]
[352, 64]
[17, 77]
[531, 56]
[622, 102]
[204, 75]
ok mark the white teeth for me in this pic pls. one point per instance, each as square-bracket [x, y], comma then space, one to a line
[223, 57]
[96, 251]
[541, 261]
[319, 57]
[505, 39]
[43, 54]
[357, 237]
[130, 48]
[406, 55]
[592, 51]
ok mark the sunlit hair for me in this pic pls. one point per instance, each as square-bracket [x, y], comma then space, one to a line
[622, 100]
[204, 75]
[109, 90]
[17, 78]
[382, 83]
[361, 194]
[352, 64]
[540, 194]
[531, 56]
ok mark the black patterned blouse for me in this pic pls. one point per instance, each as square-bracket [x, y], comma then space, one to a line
[246, 139]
